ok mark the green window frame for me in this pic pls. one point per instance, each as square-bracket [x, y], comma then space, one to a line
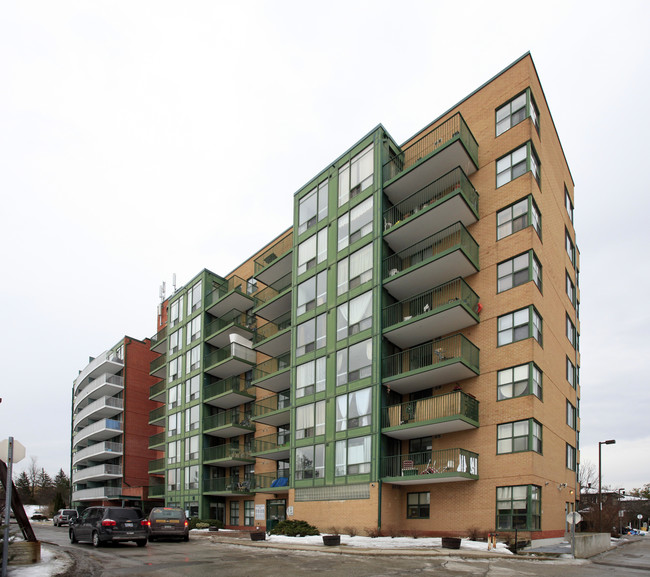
[570, 289]
[519, 437]
[570, 247]
[354, 316]
[357, 175]
[354, 409]
[518, 216]
[519, 270]
[519, 507]
[519, 325]
[517, 163]
[571, 332]
[570, 372]
[311, 335]
[312, 208]
[354, 362]
[312, 251]
[310, 462]
[571, 415]
[312, 293]
[519, 381]
[516, 111]
[418, 505]
[355, 224]
[310, 377]
[234, 513]
[310, 420]
[353, 456]
[571, 455]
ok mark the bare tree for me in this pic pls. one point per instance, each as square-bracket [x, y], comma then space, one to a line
[587, 475]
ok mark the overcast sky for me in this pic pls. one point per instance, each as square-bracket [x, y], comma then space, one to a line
[144, 138]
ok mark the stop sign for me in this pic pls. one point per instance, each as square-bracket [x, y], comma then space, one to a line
[19, 451]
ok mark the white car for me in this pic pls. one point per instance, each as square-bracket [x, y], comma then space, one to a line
[63, 517]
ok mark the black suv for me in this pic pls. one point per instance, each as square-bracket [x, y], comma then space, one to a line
[101, 525]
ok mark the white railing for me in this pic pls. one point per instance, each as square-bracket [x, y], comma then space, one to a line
[105, 357]
[103, 425]
[96, 493]
[98, 383]
[98, 405]
[96, 471]
[94, 450]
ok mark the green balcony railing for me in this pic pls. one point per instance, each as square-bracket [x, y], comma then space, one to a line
[454, 237]
[227, 451]
[270, 404]
[270, 292]
[271, 480]
[272, 328]
[271, 442]
[234, 283]
[270, 366]
[156, 490]
[157, 363]
[432, 464]
[430, 302]
[445, 187]
[156, 440]
[157, 388]
[279, 249]
[230, 385]
[160, 336]
[231, 318]
[227, 418]
[456, 404]
[157, 413]
[156, 465]
[436, 139]
[232, 350]
[228, 484]
[428, 355]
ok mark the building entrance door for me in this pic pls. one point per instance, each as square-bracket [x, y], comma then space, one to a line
[275, 512]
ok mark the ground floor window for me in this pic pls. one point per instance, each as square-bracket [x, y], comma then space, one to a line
[519, 507]
[249, 513]
[417, 505]
[234, 512]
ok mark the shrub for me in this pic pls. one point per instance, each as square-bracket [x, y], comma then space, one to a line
[204, 523]
[352, 531]
[373, 532]
[294, 528]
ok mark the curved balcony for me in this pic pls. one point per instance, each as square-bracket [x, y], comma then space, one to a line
[273, 410]
[218, 331]
[445, 466]
[97, 473]
[274, 446]
[228, 424]
[232, 360]
[448, 254]
[437, 152]
[98, 452]
[449, 413]
[275, 262]
[274, 300]
[106, 385]
[228, 455]
[230, 295]
[99, 409]
[439, 362]
[106, 363]
[159, 341]
[445, 309]
[97, 493]
[274, 337]
[158, 367]
[99, 431]
[448, 200]
[227, 393]
[273, 374]
[227, 486]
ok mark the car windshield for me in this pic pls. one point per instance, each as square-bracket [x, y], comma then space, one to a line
[168, 513]
[123, 514]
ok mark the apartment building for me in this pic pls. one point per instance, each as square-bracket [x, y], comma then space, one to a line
[405, 356]
[110, 430]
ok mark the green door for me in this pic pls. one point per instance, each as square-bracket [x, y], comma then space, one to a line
[275, 512]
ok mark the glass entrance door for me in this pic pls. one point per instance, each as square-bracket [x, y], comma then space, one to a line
[275, 512]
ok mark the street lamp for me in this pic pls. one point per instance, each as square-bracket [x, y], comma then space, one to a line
[600, 484]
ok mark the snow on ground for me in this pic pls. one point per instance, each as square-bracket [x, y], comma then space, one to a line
[50, 565]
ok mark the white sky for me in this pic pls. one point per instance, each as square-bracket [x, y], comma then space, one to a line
[140, 139]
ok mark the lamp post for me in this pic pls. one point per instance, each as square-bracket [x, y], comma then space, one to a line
[600, 484]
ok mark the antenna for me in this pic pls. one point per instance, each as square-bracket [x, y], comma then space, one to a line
[174, 281]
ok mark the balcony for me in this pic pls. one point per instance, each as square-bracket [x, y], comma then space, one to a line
[99, 431]
[106, 385]
[158, 367]
[231, 295]
[106, 363]
[445, 309]
[232, 360]
[227, 393]
[228, 455]
[446, 466]
[439, 362]
[227, 486]
[97, 473]
[157, 416]
[274, 446]
[156, 491]
[218, 331]
[157, 466]
[271, 482]
[273, 410]
[228, 424]
[448, 200]
[97, 493]
[275, 262]
[159, 341]
[99, 409]
[98, 452]
[273, 374]
[448, 254]
[436, 153]
[157, 441]
[274, 337]
[437, 415]
[274, 300]
[158, 391]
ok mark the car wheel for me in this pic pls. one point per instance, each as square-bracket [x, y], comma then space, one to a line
[54, 523]
[73, 537]
[96, 541]
[141, 542]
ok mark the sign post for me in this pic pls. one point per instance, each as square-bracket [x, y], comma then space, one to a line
[10, 452]
[573, 519]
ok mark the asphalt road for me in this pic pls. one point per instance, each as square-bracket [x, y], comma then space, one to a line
[200, 557]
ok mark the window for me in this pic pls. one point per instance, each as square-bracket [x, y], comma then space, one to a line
[193, 329]
[519, 507]
[312, 293]
[571, 416]
[310, 462]
[173, 479]
[354, 270]
[420, 448]
[571, 332]
[354, 363]
[519, 381]
[251, 286]
[519, 325]
[310, 420]
[173, 452]
[354, 316]
[175, 368]
[173, 424]
[234, 512]
[176, 341]
[570, 247]
[192, 418]
[192, 359]
[310, 377]
[192, 448]
[312, 207]
[568, 204]
[355, 176]
[354, 410]
[417, 505]
[194, 297]
[519, 436]
[355, 224]
[249, 513]
[173, 397]
[518, 162]
[519, 270]
[353, 456]
[570, 457]
[311, 335]
[516, 111]
[192, 477]
[176, 312]
[312, 251]
[570, 373]
[516, 217]
[570, 289]
[192, 388]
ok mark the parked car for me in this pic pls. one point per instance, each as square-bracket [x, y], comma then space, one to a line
[38, 516]
[63, 517]
[100, 525]
[168, 522]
